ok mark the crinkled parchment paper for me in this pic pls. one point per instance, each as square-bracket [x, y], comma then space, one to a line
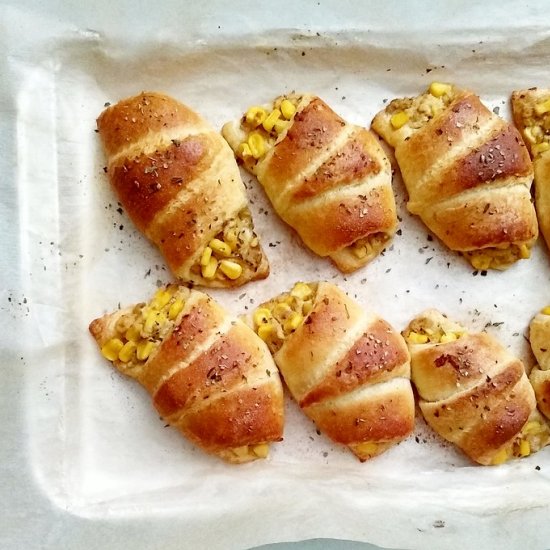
[87, 460]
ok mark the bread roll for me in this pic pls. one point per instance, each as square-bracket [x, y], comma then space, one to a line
[539, 336]
[178, 181]
[347, 369]
[326, 178]
[473, 392]
[209, 375]
[467, 172]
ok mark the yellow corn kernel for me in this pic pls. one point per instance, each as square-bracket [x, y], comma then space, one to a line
[206, 255]
[543, 107]
[261, 450]
[481, 261]
[219, 247]
[280, 126]
[360, 251]
[123, 323]
[301, 290]
[399, 119]
[261, 316]
[524, 251]
[287, 109]
[368, 447]
[244, 151]
[307, 307]
[417, 338]
[546, 310]
[524, 448]
[528, 133]
[293, 322]
[448, 337]
[175, 308]
[256, 143]
[150, 321]
[271, 119]
[439, 89]
[254, 242]
[282, 309]
[209, 271]
[231, 269]
[240, 452]
[264, 331]
[531, 428]
[111, 349]
[537, 148]
[127, 351]
[160, 299]
[133, 333]
[144, 349]
[255, 116]
[230, 237]
[500, 458]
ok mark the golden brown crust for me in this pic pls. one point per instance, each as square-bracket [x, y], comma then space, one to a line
[330, 181]
[350, 373]
[473, 392]
[210, 376]
[468, 175]
[178, 182]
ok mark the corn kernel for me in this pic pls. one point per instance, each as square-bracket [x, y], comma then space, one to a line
[123, 323]
[301, 290]
[399, 119]
[175, 308]
[244, 151]
[500, 458]
[448, 337]
[531, 428]
[230, 237]
[261, 316]
[231, 269]
[209, 271]
[543, 107]
[111, 349]
[360, 251]
[538, 148]
[150, 321]
[133, 333]
[524, 448]
[287, 109]
[417, 338]
[524, 251]
[144, 349]
[307, 307]
[160, 299]
[255, 116]
[127, 351]
[281, 310]
[439, 89]
[264, 331]
[256, 143]
[271, 119]
[368, 447]
[206, 255]
[293, 322]
[221, 248]
[280, 126]
[261, 450]
[528, 132]
[240, 452]
[481, 261]
[546, 310]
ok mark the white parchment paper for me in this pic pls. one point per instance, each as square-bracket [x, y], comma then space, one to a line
[89, 439]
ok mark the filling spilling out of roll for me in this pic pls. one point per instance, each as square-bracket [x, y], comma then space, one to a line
[539, 336]
[328, 179]
[209, 374]
[467, 172]
[347, 369]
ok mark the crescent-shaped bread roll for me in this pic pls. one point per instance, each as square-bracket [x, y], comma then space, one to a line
[178, 181]
[539, 336]
[531, 110]
[348, 370]
[473, 392]
[326, 178]
[209, 375]
[467, 172]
